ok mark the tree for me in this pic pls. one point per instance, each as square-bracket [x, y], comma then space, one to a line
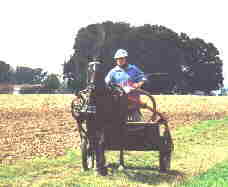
[187, 63]
[203, 67]
[52, 82]
[29, 75]
[38, 75]
[5, 70]
[143, 43]
[223, 92]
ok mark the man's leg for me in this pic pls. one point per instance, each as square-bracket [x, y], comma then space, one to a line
[137, 100]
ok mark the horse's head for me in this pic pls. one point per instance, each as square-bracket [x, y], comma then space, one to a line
[96, 76]
[97, 99]
[92, 72]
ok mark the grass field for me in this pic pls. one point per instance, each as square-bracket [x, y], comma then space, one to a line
[39, 143]
[216, 176]
[197, 149]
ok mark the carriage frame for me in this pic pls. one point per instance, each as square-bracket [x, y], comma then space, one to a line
[150, 135]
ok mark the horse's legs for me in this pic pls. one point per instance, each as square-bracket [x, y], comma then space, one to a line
[121, 166]
[100, 157]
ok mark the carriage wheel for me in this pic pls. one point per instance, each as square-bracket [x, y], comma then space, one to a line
[164, 161]
[166, 149]
[144, 112]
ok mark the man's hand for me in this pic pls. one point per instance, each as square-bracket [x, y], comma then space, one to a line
[138, 84]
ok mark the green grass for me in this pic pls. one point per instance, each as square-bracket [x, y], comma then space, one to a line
[198, 148]
[214, 177]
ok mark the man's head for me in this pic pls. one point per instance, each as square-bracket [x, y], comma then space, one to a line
[120, 57]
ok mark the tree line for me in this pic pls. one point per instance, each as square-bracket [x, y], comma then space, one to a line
[27, 75]
[176, 62]
[21, 75]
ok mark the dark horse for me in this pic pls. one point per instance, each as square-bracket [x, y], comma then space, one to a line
[103, 110]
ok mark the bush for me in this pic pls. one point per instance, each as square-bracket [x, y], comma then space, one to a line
[52, 82]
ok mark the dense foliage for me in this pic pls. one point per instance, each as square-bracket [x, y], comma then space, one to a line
[177, 63]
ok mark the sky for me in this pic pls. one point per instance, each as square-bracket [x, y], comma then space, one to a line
[41, 33]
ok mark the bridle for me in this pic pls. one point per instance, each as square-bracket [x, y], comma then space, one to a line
[93, 67]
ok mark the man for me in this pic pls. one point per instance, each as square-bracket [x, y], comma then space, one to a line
[129, 77]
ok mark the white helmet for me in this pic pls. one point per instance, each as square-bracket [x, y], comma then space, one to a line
[120, 53]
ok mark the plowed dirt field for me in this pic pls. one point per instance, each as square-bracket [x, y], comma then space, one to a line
[42, 124]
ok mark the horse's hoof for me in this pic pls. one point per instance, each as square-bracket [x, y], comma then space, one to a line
[90, 162]
[83, 170]
[121, 168]
[102, 172]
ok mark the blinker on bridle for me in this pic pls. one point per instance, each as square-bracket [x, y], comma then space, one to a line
[91, 73]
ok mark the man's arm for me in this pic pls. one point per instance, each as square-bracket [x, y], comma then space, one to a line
[141, 78]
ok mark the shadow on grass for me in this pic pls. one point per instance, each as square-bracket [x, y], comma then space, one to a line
[150, 175]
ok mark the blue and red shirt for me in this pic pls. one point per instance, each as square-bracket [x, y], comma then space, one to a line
[125, 76]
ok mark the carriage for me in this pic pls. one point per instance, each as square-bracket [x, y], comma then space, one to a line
[105, 122]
